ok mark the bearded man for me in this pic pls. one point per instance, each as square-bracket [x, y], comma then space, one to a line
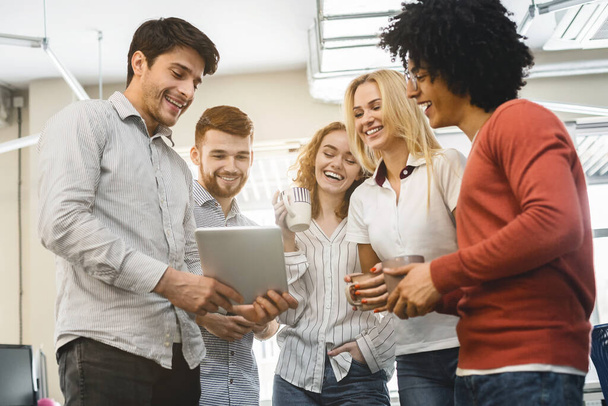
[223, 154]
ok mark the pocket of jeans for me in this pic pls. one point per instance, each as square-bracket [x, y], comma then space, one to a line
[363, 364]
[360, 365]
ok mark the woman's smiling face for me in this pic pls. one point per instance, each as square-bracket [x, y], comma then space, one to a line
[335, 166]
[367, 110]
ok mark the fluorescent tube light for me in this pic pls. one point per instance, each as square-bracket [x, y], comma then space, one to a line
[574, 108]
[544, 8]
[557, 5]
[67, 75]
[19, 40]
[19, 143]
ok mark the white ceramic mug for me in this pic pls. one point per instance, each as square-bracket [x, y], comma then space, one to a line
[391, 281]
[297, 204]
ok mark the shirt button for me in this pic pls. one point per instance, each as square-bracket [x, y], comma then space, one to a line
[231, 380]
[167, 344]
[231, 352]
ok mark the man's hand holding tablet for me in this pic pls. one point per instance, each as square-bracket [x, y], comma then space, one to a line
[267, 307]
[194, 293]
[251, 261]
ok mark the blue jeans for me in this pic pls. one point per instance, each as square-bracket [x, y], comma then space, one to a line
[95, 374]
[359, 387]
[520, 389]
[427, 378]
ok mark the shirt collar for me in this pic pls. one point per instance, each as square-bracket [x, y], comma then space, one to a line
[380, 173]
[202, 196]
[125, 109]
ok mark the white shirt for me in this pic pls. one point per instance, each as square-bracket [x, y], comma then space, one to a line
[412, 227]
[323, 319]
[115, 209]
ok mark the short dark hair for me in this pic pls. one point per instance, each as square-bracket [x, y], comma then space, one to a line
[471, 44]
[228, 119]
[156, 37]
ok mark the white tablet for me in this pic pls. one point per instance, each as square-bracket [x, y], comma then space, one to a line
[248, 259]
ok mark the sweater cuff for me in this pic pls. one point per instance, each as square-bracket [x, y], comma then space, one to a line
[449, 302]
[447, 273]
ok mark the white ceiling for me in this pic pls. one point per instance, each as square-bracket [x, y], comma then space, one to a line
[251, 35]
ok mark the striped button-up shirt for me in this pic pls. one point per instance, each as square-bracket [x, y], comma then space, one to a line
[323, 319]
[115, 209]
[229, 373]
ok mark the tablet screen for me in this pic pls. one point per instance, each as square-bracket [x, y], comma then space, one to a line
[248, 259]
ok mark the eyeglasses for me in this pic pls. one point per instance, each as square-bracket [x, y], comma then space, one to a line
[412, 79]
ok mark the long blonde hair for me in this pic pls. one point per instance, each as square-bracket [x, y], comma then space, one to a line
[401, 117]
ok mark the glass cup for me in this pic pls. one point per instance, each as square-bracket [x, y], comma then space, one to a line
[391, 281]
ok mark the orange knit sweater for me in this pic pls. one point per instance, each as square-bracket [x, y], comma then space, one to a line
[525, 261]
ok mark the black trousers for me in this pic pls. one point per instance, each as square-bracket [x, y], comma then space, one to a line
[92, 373]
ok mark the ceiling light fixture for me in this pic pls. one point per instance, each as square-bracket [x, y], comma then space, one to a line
[72, 82]
[544, 8]
[574, 108]
[19, 143]
[19, 40]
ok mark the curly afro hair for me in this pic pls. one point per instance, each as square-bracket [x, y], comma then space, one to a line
[471, 44]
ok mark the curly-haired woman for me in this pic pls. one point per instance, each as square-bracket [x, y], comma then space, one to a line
[330, 354]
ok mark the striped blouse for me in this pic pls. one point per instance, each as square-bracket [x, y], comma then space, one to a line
[229, 373]
[323, 319]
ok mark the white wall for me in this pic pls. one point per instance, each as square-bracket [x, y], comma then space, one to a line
[280, 108]
[278, 104]
[9, 258]
[591, 90]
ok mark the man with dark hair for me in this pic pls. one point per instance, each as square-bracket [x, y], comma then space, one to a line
[155, 37]
[525, 260]
[223, 153]
[114, 208]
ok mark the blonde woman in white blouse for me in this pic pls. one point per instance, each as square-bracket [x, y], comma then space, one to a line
[330, 354]
[405, 208]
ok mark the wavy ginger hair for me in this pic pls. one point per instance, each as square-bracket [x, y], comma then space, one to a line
[305, 170]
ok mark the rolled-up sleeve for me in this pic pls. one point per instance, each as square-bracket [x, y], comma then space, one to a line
[296, 266]
[378, 345]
